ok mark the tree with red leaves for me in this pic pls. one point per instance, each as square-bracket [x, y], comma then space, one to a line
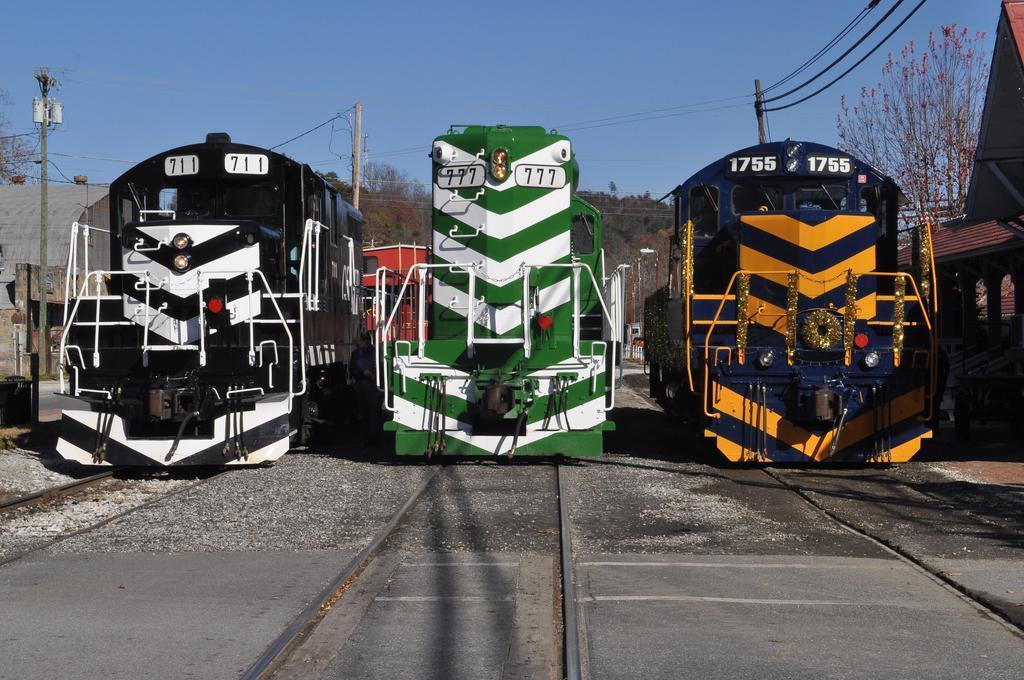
[920, 123]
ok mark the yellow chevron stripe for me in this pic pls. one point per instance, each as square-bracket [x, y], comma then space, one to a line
[814, 446]
[812, 284]
[809, 237]
[766, 314]
[899, 454]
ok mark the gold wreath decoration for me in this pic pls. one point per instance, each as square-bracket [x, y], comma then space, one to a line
[821, 330]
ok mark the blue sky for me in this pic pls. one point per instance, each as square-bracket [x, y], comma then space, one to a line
[139, 78]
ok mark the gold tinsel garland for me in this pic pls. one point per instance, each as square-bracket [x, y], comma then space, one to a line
[792, 300]
[898, 310]
[742, 315]
[820, 330]
[925, 256]
[687, 293]
[850, 316]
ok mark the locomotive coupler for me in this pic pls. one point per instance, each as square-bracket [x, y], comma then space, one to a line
[823, 404]
[498, 400]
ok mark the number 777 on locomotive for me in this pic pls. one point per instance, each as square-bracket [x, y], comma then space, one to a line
[790, 329]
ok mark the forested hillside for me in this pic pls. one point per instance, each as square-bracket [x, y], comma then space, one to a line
[397, 209]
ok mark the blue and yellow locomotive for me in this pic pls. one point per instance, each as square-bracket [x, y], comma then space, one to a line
[787, 331]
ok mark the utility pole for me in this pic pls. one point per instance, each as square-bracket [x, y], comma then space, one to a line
[45, 112]
[357, 148]
[759, 110]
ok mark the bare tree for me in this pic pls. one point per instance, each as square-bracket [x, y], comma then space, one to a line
[396, 208]
[920, 123]
[15, 152]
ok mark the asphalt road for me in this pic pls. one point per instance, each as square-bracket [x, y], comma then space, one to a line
[51, 403]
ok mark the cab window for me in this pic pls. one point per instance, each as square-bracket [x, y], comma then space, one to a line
[704, 209]
[249, 201]
[581, 236]
[168, 199]
[821, 197]
[370, 264]
[756, 198]
[872, 201]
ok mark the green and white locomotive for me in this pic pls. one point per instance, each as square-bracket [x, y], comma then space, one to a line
[517, 327]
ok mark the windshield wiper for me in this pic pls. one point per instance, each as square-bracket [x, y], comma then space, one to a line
[835, 204]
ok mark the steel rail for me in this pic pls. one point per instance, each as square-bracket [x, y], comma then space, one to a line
[112, 518]
[55, 491]
[573, 667]
[279, 649]
[979, 603]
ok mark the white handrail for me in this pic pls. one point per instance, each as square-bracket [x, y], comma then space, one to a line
[72, 267]
[527, 341]
[143, 276]
[415, 269]
[615, 331]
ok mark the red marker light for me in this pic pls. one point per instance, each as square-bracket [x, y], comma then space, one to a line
[215, 305]
[544, 321]
[861, 340]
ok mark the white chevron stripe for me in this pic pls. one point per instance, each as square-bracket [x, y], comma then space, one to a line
[162, 325]
[266, 410]
[498, 272]
[187, 331]
[584, 416]
[475, 217]
[183, 284]
[500, 320]
[460, 382]
[198, 233]
[549, 155]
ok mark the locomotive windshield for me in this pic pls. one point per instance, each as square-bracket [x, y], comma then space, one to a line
[756, 198]
[206, 201]
[821, 197]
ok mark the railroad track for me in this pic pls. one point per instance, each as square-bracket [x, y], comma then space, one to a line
[921, 566]
[60, 491]
[76, 487]
[277, 654]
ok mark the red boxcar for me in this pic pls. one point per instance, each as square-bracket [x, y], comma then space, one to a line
[397, 260]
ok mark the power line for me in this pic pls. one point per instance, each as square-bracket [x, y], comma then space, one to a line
[858, 63]
[828, 46]
[24, 134]
[626, 118]
[665, 115]
[842, 56]
[93, 158]
[313, 129]
[57, 167]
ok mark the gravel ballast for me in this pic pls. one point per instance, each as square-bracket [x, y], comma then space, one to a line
[306, 501]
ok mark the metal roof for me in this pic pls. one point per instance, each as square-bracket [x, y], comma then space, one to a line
[957, 239]
[19, 224]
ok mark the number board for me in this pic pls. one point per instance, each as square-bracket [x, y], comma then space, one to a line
[751, 165]
[461, 176]
[829, 165]
[246, 163]
[181, 165]
[543, 176]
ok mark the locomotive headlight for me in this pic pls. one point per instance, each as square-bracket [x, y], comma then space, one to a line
[792, 164]
[499, 164]
[871, 359]
[766, 358]
[792, 150]
[182, 261]
[181, 241]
